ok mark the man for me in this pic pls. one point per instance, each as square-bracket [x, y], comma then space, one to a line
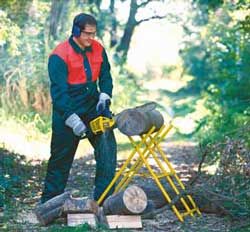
[81, 84]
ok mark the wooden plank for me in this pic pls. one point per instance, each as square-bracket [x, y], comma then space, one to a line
[124, 221]
[81, 218]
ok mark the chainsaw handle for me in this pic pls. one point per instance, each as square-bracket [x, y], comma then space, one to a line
[87, 134]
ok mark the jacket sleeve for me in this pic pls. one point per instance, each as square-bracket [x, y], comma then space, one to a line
[58, 73]
[105, 78]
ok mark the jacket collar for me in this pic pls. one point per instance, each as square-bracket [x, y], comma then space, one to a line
[77, 48]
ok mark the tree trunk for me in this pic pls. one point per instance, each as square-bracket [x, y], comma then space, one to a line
[64, 16]
[139, 120]
[55, 12]
[131, 201]
[123, 47]
[113, 30]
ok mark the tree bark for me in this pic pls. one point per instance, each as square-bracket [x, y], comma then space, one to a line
[80, 205]
[157, 203]
[64, 16]
[55, 12]
[139, 120]
[123, 47]
[113, 30]
[131, 201]
[64, 204]
[157, 200]
[52, 209]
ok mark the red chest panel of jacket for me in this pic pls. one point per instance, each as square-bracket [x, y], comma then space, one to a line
[75, 61]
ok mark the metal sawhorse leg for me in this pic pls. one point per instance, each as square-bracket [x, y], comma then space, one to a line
[149, 147]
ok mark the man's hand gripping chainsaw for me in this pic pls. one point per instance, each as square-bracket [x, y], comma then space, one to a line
[103, 122]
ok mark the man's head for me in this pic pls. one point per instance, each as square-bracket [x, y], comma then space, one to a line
[84, 29]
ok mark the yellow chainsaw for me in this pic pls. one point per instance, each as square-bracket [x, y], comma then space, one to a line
[101, 124]
[104, 121]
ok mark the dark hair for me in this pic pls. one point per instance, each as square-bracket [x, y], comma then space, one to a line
[82, 19]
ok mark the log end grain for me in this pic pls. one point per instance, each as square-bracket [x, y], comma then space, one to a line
[130, 201]
[135, 199]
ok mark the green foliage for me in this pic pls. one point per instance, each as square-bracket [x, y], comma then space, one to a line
[20, 180]
[127, 90]
[209, 4]
[17, 10]
[38, 123]
[24, 50]
[9, 40]
[23, 66]
[167, 69]
[19, 177]
[241, 229]
[204, 7]
[231, 181]
[218, 58]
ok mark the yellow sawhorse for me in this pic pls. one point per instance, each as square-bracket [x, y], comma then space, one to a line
[149, 147]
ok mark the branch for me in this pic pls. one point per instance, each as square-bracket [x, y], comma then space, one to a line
[200, 165]
[144, 3]
[222, 198]
[153, 17]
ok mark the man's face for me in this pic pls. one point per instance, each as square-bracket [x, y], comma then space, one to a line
[87, 35]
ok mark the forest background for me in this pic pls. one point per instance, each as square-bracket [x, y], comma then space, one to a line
[192, 57]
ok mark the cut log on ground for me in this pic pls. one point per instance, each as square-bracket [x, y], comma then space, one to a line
[157, 203]
[139, 120]
[132, 200]
[52, 209]
[62, 205]
[155, 195]
[80, 205]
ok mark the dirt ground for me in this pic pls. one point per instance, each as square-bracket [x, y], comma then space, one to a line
[183, 158]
